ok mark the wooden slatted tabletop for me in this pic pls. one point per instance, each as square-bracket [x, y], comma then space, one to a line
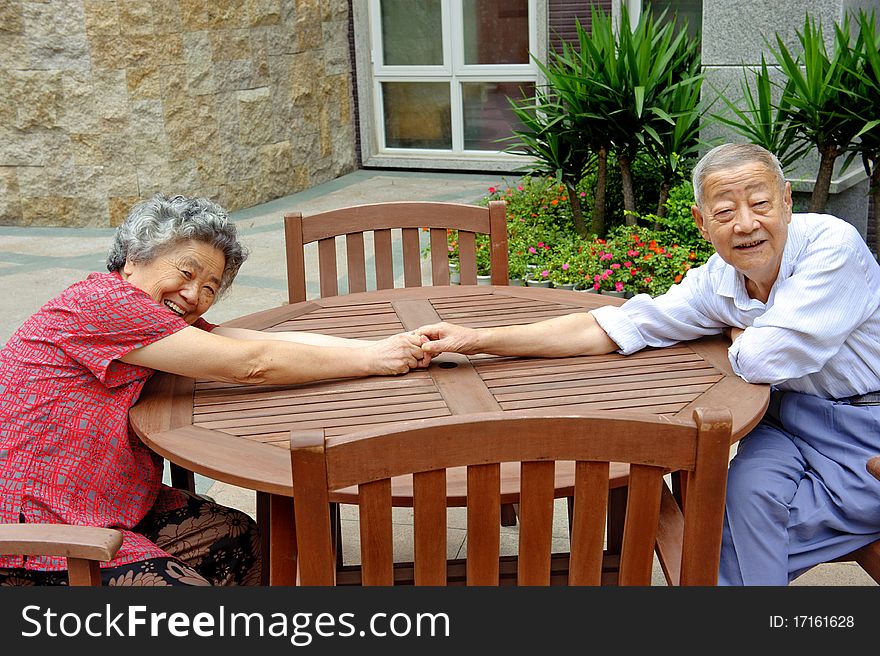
[239, 434]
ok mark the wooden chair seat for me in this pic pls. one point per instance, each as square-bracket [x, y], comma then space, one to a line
[83, 547]
[688, 539]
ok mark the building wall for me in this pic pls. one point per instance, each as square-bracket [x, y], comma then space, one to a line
[106, 102]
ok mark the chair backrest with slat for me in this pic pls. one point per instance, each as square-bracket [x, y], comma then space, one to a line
[83, 546]
[381, 219]
[653, 446]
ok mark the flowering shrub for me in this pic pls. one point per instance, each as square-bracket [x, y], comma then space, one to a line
[647, 264]
[543, 245]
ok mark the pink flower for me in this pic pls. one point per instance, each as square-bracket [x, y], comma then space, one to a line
[618, 286]
[607, 256]
[540, 244]
[519, 188]
[608, 272]
[596, 286]
[615, 266]
[545, 273]
[532, 250]
[492, 190]
[583, 193]
[565, 267]
[597, 279]
[632, 253]
[604, 276]
[628, 265]
[648, 279]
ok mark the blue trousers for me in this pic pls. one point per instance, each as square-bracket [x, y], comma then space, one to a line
[798, 493]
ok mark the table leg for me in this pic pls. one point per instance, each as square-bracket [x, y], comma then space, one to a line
[282, 541]
[508, 514]
[263, 524]
[182, 478]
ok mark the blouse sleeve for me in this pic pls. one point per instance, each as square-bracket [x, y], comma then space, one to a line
[101, 325]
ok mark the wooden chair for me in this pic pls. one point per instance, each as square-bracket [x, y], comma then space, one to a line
[380, 218]
[688, 544]
[411, 217]
[83, 546]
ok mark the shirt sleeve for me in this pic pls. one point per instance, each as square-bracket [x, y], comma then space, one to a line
[101, 325]
[812, 314]
[681, 314]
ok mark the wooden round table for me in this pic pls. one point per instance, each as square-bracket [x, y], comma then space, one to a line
[240, 434]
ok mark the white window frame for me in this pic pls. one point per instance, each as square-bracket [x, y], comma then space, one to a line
[371, 74]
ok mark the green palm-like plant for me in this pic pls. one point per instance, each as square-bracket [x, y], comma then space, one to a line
[633, 79]
[572, 74]
[679, 119]
[547, 135]
[867, 110]
[819, 96]
[760, 119]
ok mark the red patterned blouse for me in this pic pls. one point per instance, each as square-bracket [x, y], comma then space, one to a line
[67, 453]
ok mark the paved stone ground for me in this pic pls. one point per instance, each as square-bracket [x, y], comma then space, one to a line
[38, 263]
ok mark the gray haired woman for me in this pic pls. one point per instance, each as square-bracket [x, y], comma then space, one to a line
[70, 374]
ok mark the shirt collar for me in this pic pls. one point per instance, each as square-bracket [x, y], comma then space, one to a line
[732, 283]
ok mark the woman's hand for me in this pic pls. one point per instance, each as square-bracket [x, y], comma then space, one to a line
[397, 354]
[449, 337]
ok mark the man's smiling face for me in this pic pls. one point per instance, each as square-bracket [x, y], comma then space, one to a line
[745, 214]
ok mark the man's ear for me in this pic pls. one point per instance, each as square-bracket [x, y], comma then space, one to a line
[787, 201]
[701, 225]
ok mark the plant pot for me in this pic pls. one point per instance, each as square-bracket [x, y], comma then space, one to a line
[538, 283]
[516, 282]
[454, 277]
[606, 292]
[564, 285]
[484, 280]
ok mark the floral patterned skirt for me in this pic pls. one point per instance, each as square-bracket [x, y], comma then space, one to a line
[211, 545]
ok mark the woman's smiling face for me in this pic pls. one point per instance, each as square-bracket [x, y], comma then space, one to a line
[185, 278]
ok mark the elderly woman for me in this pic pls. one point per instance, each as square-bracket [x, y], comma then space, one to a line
[70, 374]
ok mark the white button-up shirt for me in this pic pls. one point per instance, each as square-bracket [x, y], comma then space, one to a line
[818, 333]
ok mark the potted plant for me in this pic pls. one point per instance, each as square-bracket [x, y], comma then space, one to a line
[484, 260]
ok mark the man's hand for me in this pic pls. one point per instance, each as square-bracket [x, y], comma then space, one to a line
[397, 354]
[449, 337]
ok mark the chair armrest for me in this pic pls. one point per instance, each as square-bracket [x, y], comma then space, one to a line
[88, 542]
[873, 467]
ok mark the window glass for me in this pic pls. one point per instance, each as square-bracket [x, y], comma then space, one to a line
[412, 33]
[417, 115]
[683, 10]
[496, 31]
[487, 114]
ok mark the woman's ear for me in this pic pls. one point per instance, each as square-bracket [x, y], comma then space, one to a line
[127, 269]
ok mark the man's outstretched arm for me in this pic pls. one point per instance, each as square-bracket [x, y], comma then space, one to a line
[573, 334]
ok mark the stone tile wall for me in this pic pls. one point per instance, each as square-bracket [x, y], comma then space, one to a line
[106, 102]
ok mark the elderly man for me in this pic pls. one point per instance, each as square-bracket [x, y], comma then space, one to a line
[799, 296]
